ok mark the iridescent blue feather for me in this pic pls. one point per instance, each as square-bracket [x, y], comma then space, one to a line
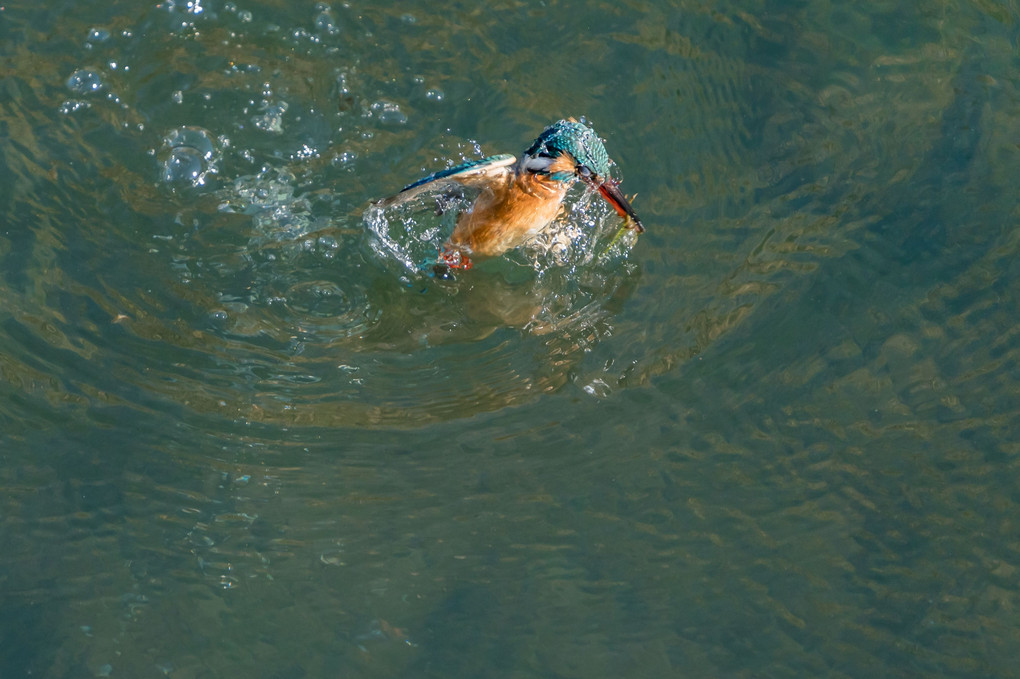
[464, 174]
[458, 169]
[576, 139]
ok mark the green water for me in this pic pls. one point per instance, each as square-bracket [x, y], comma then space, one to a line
[243, 434]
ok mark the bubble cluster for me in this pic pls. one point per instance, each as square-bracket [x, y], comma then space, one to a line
[389, 113]
[271, 117]
[85, 81]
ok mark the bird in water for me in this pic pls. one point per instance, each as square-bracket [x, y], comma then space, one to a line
[517, 199]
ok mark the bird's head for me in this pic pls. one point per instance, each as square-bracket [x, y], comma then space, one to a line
[569, 150]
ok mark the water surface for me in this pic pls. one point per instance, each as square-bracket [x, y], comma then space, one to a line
[244, 432]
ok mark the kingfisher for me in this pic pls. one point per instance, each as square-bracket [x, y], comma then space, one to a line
[517, 199]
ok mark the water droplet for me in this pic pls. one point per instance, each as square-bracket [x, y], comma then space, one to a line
[326, 24]
[435, 94]
[345, 159]
[341, 84]
[305, 152]
[332, 559]
[73, 105]
[271, 119]
[98, 35]
[84, 81]
[597, 388]
[389, 113]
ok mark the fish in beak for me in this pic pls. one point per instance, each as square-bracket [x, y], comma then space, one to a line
[610, 190]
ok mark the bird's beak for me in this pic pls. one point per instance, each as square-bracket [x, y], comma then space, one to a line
[610, 190]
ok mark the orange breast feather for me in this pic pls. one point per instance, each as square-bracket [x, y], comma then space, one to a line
[507, 214]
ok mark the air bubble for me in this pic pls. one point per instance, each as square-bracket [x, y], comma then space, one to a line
[344, 159]
[389, 113]
[271, 119]
[194, 137]
[187, 156]
[184, 164]
[84, 81]
[326, 24]
[73, 106]
[98, 35]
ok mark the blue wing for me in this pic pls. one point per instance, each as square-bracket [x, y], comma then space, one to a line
[471, 173]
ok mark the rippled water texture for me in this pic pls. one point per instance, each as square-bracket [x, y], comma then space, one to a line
[245, 432]
[263, 267]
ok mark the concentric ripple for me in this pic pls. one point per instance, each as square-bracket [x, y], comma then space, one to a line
[227, 265]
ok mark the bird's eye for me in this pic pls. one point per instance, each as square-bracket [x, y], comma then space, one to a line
[584, 172]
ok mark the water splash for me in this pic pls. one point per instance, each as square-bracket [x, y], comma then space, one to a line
[587, 232]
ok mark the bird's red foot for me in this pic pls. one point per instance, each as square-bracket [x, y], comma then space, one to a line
[448, 259]
[455, 259]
